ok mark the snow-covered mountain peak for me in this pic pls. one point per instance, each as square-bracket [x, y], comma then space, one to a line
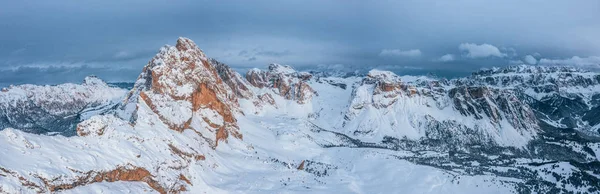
[184, 89]
[186, 44]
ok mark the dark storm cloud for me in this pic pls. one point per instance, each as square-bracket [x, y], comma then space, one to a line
[104, 36]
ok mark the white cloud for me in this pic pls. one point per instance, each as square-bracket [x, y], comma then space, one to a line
[401, 53]
[592, 61]
[480, 51]
[446, 58]
[530, 60]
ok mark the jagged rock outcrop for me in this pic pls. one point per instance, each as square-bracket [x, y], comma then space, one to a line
[234, 80]
[284, 80]
[55, 109]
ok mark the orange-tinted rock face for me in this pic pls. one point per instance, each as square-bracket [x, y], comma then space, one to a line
[395, 89]
[129, 173]
[389, 86]
[205, 97]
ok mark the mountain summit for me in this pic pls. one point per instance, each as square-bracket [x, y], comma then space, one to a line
[183, 88]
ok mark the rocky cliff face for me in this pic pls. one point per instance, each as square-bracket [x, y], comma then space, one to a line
[494, 104]
[234, 80]
[284, 80]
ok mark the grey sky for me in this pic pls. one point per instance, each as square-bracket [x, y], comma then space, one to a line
[115, 39]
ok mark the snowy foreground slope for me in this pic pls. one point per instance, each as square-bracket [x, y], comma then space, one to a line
[193, 125]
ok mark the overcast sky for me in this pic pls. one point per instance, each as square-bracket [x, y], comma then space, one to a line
[49, 42]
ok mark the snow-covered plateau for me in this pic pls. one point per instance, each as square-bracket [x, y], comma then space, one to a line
[191, 124]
